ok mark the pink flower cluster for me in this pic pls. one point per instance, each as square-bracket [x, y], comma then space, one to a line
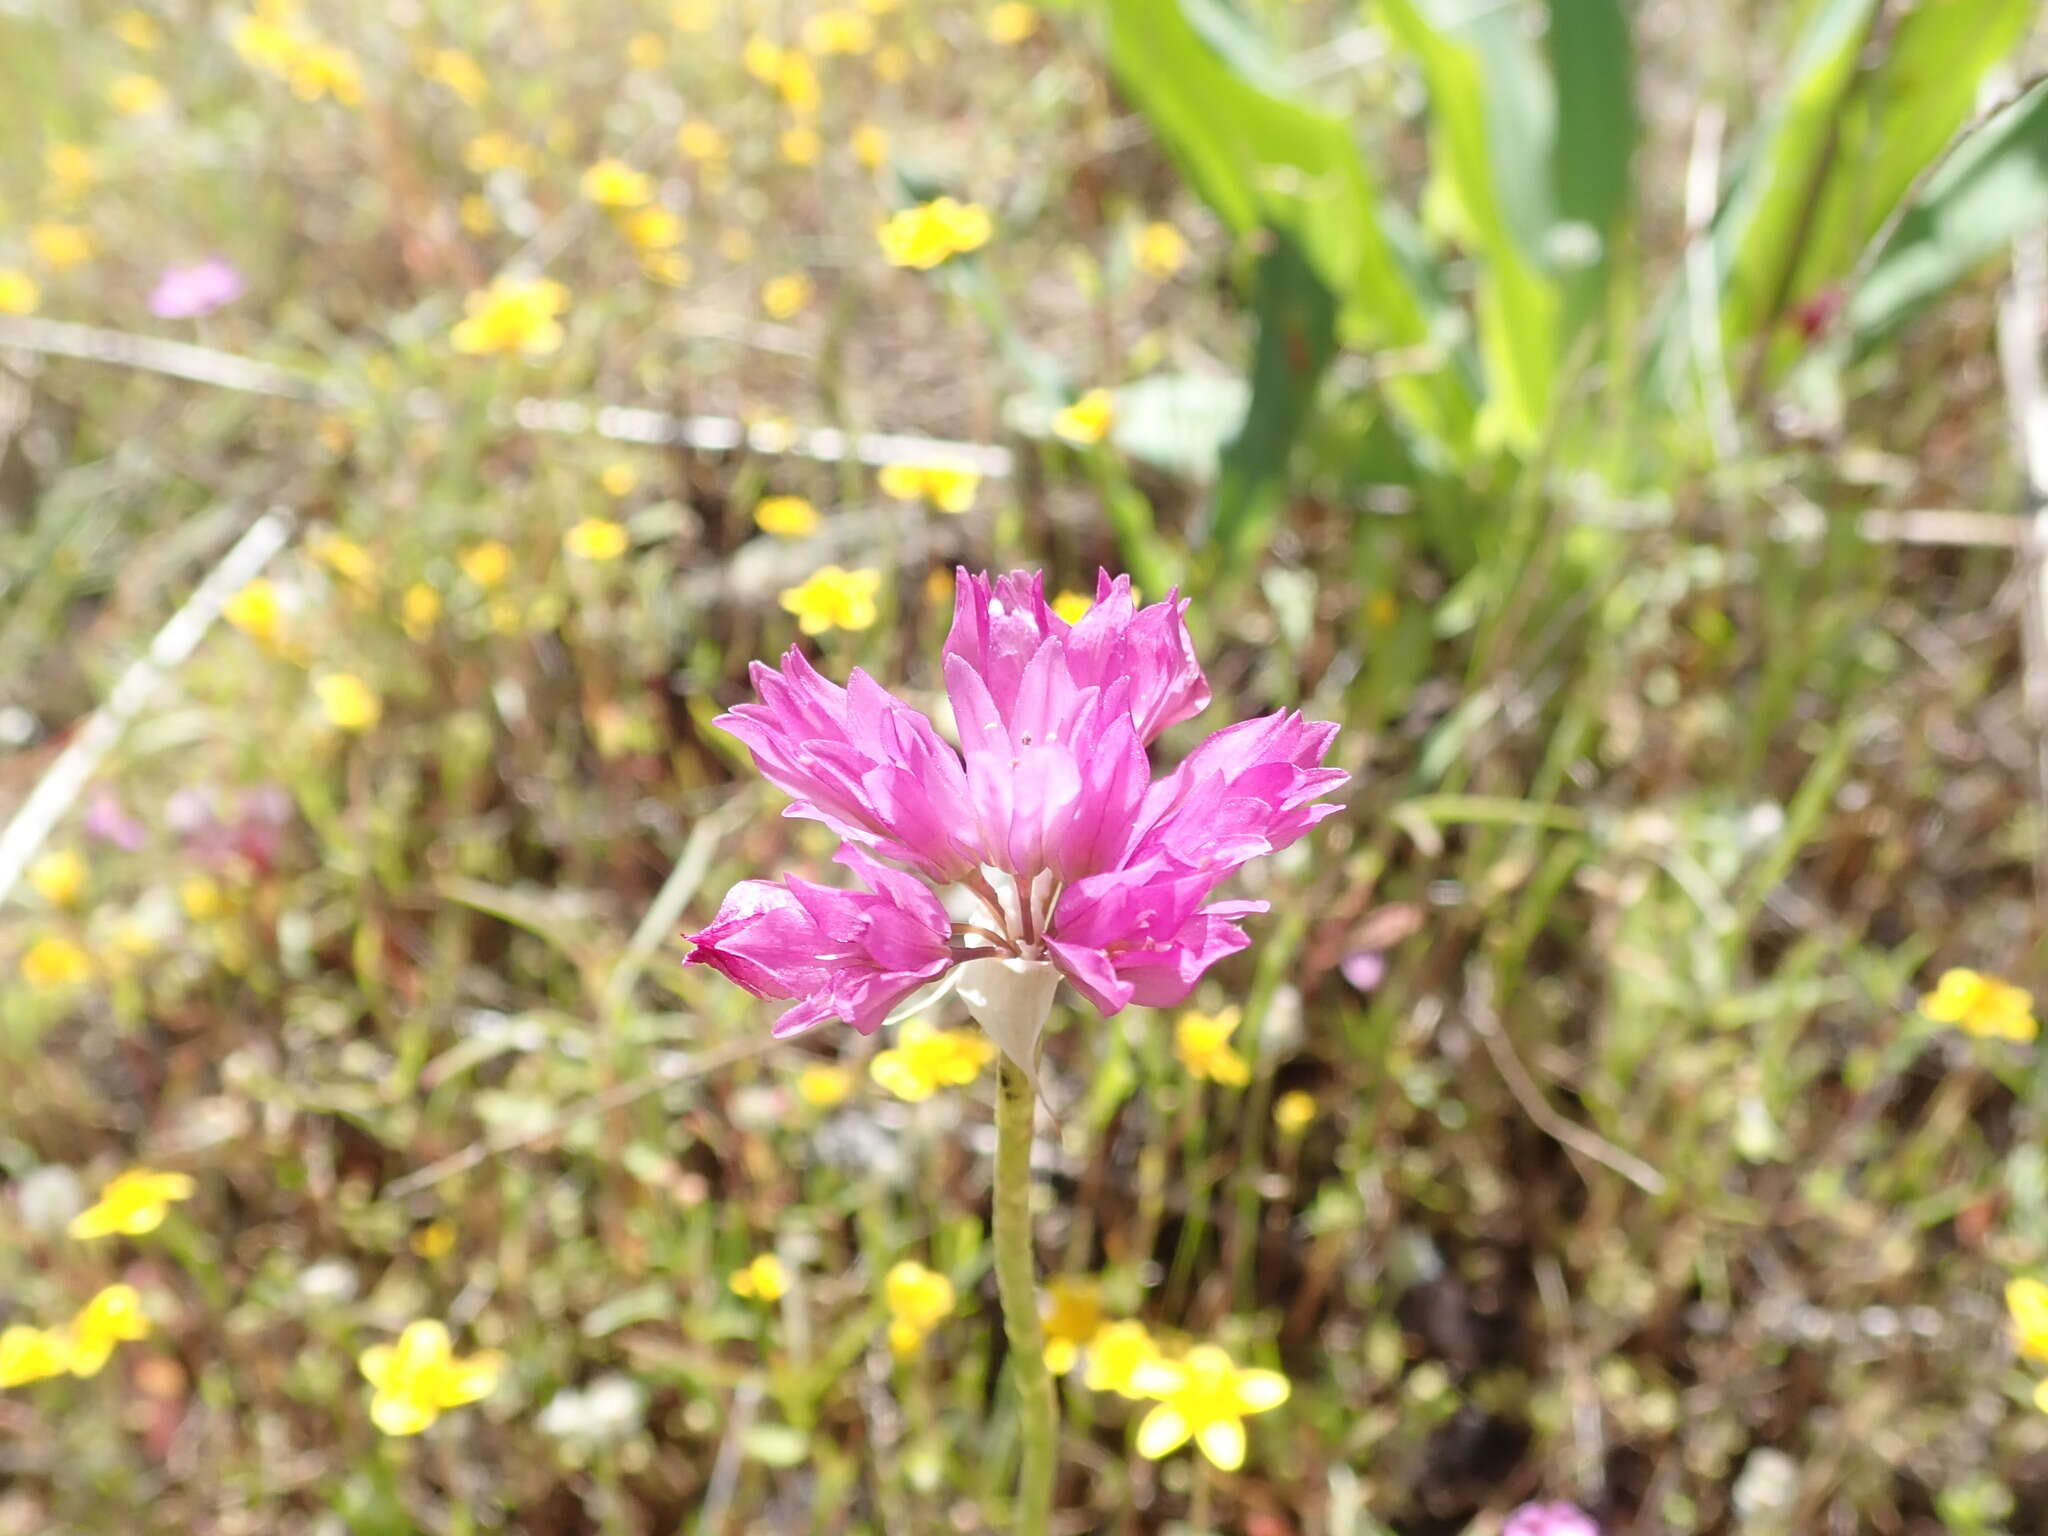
[1045, 826]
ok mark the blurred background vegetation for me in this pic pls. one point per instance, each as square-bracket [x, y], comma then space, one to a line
[1597, 407]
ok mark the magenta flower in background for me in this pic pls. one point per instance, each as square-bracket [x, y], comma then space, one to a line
[1043, 837]
[107, 819]
[187, 292]
[1554, 1519]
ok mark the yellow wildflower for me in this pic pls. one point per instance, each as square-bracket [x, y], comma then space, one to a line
[32, 1354]
[489, 152]
[434, 1239]
[762, 57]
[349, 703]
[762, 1278]
[919, 1299]
[1072, 606]
[486, 563]
[1982, 1005]
[1117, 1354]
[54, 961]
[420, 1377]
[61, 247]
[834, 598]
[460, 73]
[823, 1087]
[839, 31]
[800, 144]
[317, 70]
[73, 169]
[136, 95]
[513, 315]
[796, 82]
[1012, 22]
[1088, 419]
[892, 64]
[1202, 1042]
[114, 1316]
[345, 557]
[255, 611]
[933, 232]
[784, 296]
[1073, 1317]
[138, 29]
[646, 53]
[1204, 1396]
[618, 478]
[595, 538]
[1159, 249]
[132, 1203]
[786, 517]
[201, 898]
[418, 610]
[925, 1059]
[615, 184]
[653, 228]
[58, 877]
[19, 294]
[265, 43]
[698, 140]
[1294, 1111]
[945, 486]
[870, 145]
[476, 215]
[2027, 1300]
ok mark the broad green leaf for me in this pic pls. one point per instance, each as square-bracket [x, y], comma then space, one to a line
[1592, 61]
[1991, 188]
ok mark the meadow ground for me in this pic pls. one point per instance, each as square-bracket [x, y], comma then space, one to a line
[1580, 1133]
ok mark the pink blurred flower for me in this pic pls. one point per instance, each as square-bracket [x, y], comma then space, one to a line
[107, 819]
[1047, 825]
[1554, 1519]
[187, 292]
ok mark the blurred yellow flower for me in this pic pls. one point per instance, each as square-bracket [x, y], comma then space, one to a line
[1202, 1042]
[824, 1087]
[345, 557]
[489, 152]
[486, 563]
[596, 538]
[669, 267]
[317, 70]
[796, 82]
[870, 145]
[349, 703]
[762, 58]
[1116, 1355]
[54, 961]
[1294, 1111]
[618, 478]
[2027, 1300]
[460, 73]
[138, 29]
[615, 184]
[201, 898]
[114, 1316]
[132, 1203]
[786, 517]
[1982, 1005]
[653, 228]
[693, 15]
[61, 247]
[933, 232]
[418, 610]
[918, 1299]
[32, 1354]
[646, 53]
[1088, 419]
[762, 1278]
[19, 294]
[1205, 1396]
[945, 486]
[433, 1240]
[1012, 22]
[58, 877]
[255, 611]
[892, 64]
[1073, 1316]
[834, 598]
[476, 214]
[136, 95]
[1072, 606]
[72, 169]
[925, 1059]
[839, 31]
[784, 296]
[420, 1377]
[698, 140]
[1159, 249]
[513, 315]
[800, 144]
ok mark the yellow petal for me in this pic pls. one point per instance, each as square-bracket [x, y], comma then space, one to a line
[2041, 1397]
[1222, 1441]
[1060, 1355]
[375, 1363]
[1163, 1432]
[1259, 1390]
[400, 1415]
[468, 1380]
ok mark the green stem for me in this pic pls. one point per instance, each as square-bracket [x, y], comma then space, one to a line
[1037, 1409]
